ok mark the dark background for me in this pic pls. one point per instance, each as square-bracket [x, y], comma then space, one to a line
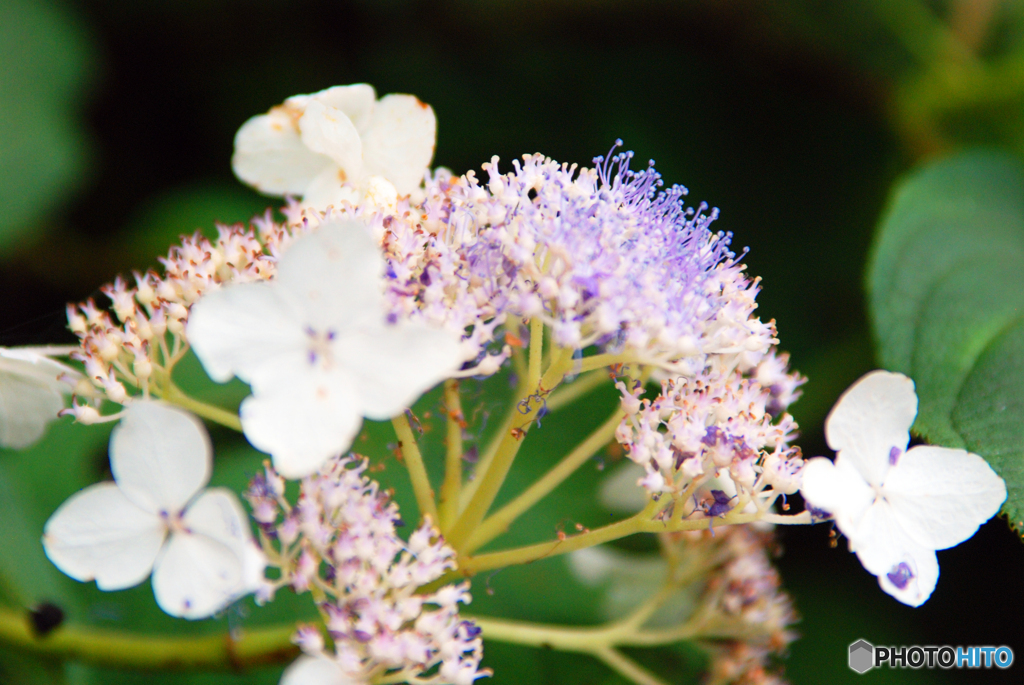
[778, 116]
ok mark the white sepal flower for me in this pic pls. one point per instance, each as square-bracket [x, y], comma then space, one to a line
[32, 391]
[315, 670]
[326, 146]
[316, 348]
[156, 518]
[897, 506]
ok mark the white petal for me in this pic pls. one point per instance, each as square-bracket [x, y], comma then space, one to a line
[870, 419]
[890, 554]
[333, 278]
[218, 515]
[242, 327]
[356, 101]
[26, 406]
[301, 415]
[940, 496]
[160, 456]
[839, 489]
[271, 157]
[196, 576]
[328, 131]
[31, 393]
[329, 190]
[311, 670]
[394, 365]
[399, 142]
[100, 534]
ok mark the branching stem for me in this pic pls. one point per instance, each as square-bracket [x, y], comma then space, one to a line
[116, 649]
[497, 523]
[414, 463]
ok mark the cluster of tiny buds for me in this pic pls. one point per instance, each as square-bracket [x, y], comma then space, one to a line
[743, 597]
[714, 428]
[129, 345]
[129, 348]
[338, 542]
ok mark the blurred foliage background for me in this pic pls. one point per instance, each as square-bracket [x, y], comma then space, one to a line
[794, 117]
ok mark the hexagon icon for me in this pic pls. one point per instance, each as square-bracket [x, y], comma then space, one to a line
[862, 656]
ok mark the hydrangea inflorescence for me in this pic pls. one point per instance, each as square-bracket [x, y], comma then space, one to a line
[339, 542]
[385, 279]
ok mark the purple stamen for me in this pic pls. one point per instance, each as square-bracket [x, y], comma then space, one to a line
[900, 575]
[894, 455]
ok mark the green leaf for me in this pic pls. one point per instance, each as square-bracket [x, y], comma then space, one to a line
[48, 58]
[947, 303]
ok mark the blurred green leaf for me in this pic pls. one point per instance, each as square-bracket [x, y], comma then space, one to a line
[947, 292]
[47, 60]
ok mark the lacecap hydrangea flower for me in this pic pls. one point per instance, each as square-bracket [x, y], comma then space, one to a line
[600, 255]
[317, 348]
[325, 147]
[897, 506]
[157, 518]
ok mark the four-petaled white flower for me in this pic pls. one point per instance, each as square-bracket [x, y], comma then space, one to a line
[316, 348]
[153, 519]
[32, 391]
[897, 506]
[326, 146]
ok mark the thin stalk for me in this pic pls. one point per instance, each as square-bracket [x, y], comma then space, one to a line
[168, 391]
[536, 352]
[487, 455]
[115, 649]
[49, 350]
[642, 522]
[448, 508]
[600, 361]
[626, 667]
[497, 523]
[414, 463]
[483, 464]
[493, 479]
[570, 392]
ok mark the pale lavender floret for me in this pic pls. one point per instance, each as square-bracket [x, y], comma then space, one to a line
[347, 546]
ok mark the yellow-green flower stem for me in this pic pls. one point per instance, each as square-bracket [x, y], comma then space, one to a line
[600, 361]
[498, 522]
[162, 386]
[627, 668]
[644, 522]
[116, 649]
[448, 507]
[414, 463]
[487, 456]
[494, 477]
